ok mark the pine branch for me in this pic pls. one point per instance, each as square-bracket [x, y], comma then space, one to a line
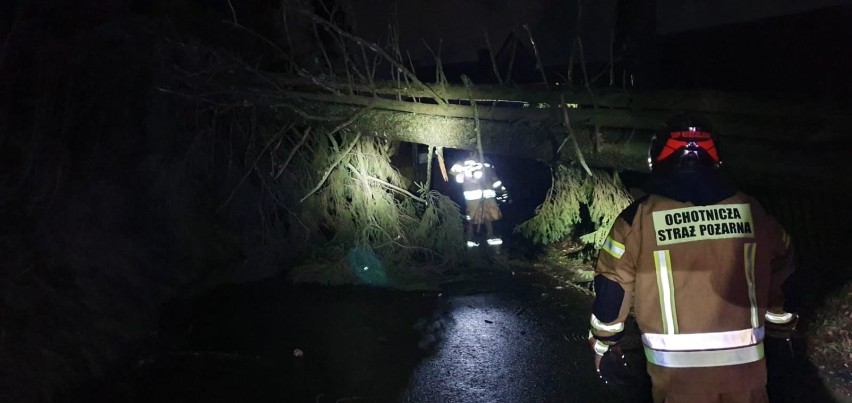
[342, 155]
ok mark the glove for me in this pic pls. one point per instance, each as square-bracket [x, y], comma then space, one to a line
[782, 330]
[611, 367]
[778, 343]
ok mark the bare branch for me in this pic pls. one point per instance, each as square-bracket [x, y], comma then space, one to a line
[573, 137]
[491, 56]
[468, 84]
[251, 168]
[304, 114]
[537, 57]
[233, 13]
[442, 164]
[322, 49]
[292, 153]
[511, 59]
[266, 40]
[376, 48]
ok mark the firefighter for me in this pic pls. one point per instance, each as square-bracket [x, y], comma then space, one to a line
[701, 265]
[482, 189]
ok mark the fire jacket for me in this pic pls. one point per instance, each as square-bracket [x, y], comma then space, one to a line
[702, 279]
[478, 180]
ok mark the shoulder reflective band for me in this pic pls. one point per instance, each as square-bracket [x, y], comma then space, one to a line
[704, 341]
[748, 252]
[665, 286]
[598, 325]
[473, 194]
[613, 247]
[708, 358]
[778, 318]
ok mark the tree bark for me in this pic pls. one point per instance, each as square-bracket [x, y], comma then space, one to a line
[766, 141]
[748, 160]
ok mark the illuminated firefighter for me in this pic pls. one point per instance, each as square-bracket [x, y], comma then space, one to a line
[702, 265]
[481, 187]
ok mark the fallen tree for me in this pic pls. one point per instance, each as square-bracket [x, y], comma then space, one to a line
[770, 147]
[774, 139]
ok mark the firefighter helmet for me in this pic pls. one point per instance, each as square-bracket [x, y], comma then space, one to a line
[685, 142]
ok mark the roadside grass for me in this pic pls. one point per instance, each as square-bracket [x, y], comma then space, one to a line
[830, 336]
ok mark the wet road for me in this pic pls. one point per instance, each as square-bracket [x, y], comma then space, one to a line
[501, 337]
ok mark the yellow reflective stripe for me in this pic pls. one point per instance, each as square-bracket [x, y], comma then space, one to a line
[598, 325]
[704, 341]
[749, 251]
[665, 286]
[613, 247]
[778, 318]
[600, 347]
[705, 358]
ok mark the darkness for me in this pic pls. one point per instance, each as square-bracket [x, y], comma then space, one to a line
[806, 53]
[129, 227]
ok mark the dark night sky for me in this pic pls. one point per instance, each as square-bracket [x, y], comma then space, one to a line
[680, 16]
[460, 24]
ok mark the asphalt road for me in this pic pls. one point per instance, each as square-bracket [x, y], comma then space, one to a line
[499, 337]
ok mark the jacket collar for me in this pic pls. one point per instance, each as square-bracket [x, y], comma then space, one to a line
[701, 187]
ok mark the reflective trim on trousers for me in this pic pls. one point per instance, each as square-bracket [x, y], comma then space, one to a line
[705, 358]
[709, 341]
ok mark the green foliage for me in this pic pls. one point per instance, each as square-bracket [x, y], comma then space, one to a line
[561, 213]
[441, 226]
[363, 203]
[608, 198]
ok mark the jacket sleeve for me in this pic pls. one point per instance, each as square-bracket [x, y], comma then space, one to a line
[783, 265]
[614, 277]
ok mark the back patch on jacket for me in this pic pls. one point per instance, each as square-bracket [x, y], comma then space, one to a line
[702, 223]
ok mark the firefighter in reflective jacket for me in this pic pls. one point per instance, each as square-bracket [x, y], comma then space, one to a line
[481, 187]
[701, 265]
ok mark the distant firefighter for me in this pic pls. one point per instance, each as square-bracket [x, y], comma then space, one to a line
[482, 189]
[702, 266]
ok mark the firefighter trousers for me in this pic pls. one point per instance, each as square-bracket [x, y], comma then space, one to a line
[756, 395]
